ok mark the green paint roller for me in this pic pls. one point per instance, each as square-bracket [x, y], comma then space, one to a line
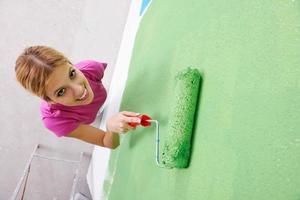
[177, 146]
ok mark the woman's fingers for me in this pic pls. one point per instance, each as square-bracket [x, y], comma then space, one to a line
[130, 119]
[130, 114]
[120, 122]
[127, 128]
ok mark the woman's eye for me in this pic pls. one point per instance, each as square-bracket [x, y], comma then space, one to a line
[61, 92]
[72, 73]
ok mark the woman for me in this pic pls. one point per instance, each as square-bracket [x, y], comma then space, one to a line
[71, 95]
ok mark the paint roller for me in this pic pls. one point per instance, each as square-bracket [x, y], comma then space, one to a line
[177, 146]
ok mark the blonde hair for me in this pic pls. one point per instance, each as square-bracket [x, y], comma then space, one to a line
[34, 66]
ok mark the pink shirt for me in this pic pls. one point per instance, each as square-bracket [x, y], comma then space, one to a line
[61, 119]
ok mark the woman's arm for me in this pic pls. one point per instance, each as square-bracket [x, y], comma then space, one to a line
[96, 136]
[115, 124]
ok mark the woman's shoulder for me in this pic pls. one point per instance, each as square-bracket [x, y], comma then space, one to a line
[56, 120]
[94, 70]
[50, 110]
[90, 65]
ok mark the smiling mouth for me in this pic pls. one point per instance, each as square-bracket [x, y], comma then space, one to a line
[84, 96]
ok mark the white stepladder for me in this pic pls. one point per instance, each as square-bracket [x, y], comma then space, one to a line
[27, 171]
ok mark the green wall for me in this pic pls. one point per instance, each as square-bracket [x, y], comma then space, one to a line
[246, 142]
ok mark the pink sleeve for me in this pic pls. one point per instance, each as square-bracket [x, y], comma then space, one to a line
[60, 126]
[93, 69]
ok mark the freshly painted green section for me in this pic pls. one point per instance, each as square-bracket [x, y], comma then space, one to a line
[246, 143]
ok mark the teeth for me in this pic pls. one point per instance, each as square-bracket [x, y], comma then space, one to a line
[84, 93]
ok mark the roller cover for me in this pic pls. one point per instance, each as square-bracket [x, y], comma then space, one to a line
[177, 145]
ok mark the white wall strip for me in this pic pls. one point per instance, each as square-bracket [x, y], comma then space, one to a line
[98, 171]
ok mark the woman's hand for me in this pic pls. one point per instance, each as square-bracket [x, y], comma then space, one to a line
[119, 123]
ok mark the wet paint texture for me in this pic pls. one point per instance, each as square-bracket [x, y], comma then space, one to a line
[177, 146]
[246, 143]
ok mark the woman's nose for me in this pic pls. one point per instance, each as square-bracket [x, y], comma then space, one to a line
[77, 90]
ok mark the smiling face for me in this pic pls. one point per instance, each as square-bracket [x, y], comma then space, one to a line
[68, 86]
